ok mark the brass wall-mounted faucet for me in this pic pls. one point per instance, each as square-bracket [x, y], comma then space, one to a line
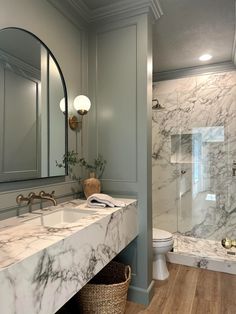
[32, 196]
[20, 199]
[43, 196]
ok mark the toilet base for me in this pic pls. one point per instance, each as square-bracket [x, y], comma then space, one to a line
[160, 271]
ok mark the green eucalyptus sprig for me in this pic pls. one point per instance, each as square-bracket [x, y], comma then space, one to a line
[72, 159]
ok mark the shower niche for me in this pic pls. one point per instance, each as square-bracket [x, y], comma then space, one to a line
[193, 147]
[185, 148]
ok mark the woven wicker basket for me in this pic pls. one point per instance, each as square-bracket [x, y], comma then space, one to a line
[107, 291]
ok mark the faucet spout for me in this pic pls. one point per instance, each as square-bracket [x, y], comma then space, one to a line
[49, 198]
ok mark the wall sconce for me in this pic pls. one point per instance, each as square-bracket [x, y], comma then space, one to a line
[63, 105]
[82, 105]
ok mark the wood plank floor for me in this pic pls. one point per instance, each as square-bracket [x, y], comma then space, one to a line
[191, 291]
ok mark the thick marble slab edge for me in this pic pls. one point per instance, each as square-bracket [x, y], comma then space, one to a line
[202, 253]
[41, 268]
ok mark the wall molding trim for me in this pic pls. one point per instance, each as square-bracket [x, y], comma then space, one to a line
[142, 296]
[192, 71]
[77, 10]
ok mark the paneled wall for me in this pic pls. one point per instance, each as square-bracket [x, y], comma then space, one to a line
[69, 46]
[22, 103]
[116, 102]
[120, 80]
[194, 148]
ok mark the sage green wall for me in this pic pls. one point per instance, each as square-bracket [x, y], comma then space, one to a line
[69, 46]
[120, 87]
[120, 118]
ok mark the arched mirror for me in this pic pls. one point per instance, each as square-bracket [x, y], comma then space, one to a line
[33, 129]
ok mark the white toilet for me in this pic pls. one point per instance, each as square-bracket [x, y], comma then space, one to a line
[162, 244]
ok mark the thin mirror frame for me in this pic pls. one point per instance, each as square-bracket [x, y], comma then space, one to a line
[65, 113]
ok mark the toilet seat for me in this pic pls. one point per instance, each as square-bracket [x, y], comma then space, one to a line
[159, 235]
[162, 244]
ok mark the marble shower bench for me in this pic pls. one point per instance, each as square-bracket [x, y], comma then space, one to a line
[41, 268]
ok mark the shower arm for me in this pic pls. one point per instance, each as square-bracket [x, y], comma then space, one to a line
[157, 106]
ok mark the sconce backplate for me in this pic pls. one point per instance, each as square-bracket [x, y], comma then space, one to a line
[74, 123]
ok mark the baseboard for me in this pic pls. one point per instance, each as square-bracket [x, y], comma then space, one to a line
[141, 296]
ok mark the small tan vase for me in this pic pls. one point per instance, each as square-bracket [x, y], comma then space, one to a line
[91, 185]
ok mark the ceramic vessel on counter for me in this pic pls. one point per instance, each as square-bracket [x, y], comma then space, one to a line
[91, 185]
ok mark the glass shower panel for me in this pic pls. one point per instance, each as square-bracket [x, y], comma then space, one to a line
[165, 173]
[206, 151]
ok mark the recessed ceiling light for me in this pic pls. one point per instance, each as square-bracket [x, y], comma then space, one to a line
[205, 57]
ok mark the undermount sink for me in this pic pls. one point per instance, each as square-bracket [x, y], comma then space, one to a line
[60, 217]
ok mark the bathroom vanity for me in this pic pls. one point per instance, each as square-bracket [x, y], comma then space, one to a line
[49, 255]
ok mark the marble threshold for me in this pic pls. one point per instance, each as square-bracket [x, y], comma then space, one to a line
[41, 268]
[202, 253]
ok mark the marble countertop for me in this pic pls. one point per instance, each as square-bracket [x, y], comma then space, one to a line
[43, 267]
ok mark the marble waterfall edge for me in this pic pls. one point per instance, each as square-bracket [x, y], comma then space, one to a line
[42, 268]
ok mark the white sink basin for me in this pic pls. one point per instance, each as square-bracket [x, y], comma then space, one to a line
[60, 217]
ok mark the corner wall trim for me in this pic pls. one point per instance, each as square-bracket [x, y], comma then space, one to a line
[141, 296]
[207, 69]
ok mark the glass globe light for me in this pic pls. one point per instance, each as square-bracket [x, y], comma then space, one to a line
[82, 104]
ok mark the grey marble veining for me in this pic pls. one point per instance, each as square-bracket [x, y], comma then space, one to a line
[41, 267]
[202, 253]
[194, 146]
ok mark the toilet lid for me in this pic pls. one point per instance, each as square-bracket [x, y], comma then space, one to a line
[161, 235]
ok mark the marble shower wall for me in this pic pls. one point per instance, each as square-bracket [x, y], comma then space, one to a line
[194, 146]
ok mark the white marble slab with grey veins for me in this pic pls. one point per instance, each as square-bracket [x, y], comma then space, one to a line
[202, 253]
[43, 267]
[193, 150]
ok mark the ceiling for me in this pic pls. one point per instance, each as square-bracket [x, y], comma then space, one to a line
[94, 4]
[190, 28]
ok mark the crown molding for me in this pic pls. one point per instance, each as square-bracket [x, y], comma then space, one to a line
[18, 66]
[127, 8]
[80, 15]
[76, 11]
[193, 71]
[81, 8]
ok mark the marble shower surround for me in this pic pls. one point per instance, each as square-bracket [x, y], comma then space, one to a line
[42, 268]
[201, 201]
